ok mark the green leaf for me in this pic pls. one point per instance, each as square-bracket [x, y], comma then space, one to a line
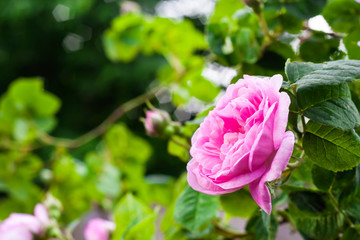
[351, 233]
[339, 112]
[123, 40]
[123, 144]
[179, 151]
[109, 181]
[262, 226]
[331, 148]
[308, 201]
[143, 230]
[225, 9]
[342, 15]
[351, 44]
[314, 216]
[194, 209]
[239, 204]
[305, 9]
[322, 178]
[348, 184]
[323, 93]
[319, 48]
[296, 70]
[327, 73]
[131, 216]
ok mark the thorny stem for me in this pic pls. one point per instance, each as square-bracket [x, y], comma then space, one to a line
[99, 130]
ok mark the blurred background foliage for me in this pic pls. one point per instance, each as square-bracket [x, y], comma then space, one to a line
[67, 64]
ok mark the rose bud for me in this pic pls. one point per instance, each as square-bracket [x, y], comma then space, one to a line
[157, 123]
[99, 229]
[25, 226]
[243, 141]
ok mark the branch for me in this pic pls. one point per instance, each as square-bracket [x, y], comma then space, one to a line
[101, 129]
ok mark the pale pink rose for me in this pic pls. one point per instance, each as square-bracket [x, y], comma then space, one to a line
[243, 141]
[25, 226]
[99, 229]
[357, 1]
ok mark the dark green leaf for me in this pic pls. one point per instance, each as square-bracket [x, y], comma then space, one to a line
[194, 209]
[308, 201]
[339, 112]
[331, 148]
[262, 226]
[314, 216]
[305, 9]
[322, 178]
[351, 233]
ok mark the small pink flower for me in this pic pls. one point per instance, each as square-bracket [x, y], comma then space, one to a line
[243, 141]
[25, 226]
[358, 43]
[357, 1]
[99, 229]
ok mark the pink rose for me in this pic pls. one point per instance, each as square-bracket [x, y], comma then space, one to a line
[98, 229]
[25, 226]
[243, 141]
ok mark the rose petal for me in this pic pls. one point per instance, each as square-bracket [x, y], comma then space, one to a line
[258, 189]
[281, 117]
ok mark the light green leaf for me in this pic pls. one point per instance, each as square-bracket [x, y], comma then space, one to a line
[239, 204]
[331, 148]
[194, 209]
[131, 215]
[351, 44]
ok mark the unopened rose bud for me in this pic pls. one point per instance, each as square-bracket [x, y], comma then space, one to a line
[157, 123]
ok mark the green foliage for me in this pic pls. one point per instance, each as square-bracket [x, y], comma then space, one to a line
[133, 219]
[322, 178]
[351, 44]
[332, 148]
[262, 226]
[342, 15]
[26, 107]
[305, 9]
[194, 209]
[313, 215]
[239, 204]
[233, 33]
[322, 91]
